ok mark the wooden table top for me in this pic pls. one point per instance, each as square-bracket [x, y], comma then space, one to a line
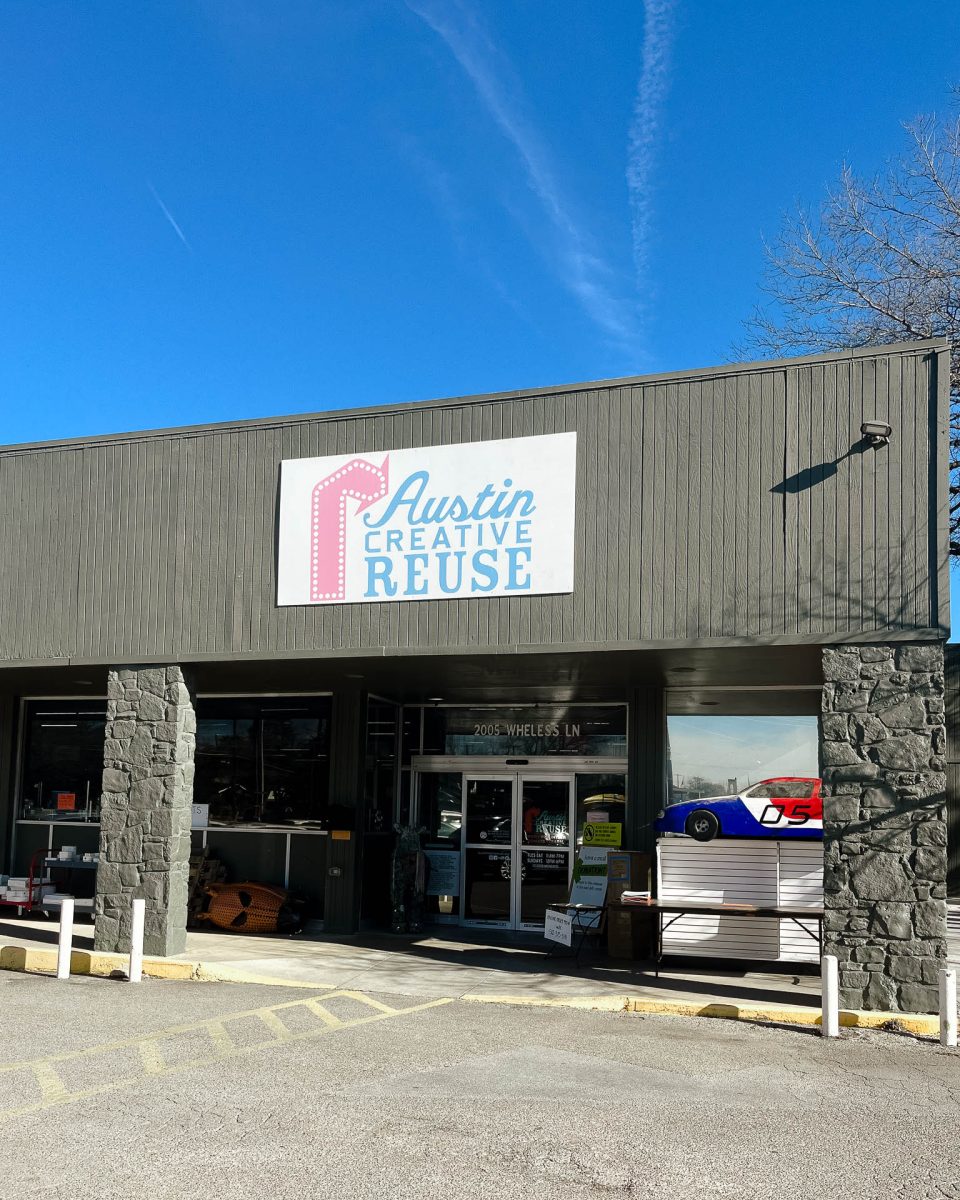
[722, 909]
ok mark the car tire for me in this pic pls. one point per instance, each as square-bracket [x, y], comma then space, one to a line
[702, 825]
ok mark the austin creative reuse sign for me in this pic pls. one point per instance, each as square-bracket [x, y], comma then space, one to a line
[436, 523]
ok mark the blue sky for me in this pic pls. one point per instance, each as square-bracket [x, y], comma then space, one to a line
[230, 208]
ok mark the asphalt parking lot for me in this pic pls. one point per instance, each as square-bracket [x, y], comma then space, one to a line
[191, 1090]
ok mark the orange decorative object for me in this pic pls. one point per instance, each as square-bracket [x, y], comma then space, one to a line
[246, 907]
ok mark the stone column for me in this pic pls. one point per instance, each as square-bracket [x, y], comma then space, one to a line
[145, 808]
[882, 744]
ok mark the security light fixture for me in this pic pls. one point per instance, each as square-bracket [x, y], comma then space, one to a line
[877, 433]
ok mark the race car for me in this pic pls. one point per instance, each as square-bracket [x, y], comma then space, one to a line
[789, 806]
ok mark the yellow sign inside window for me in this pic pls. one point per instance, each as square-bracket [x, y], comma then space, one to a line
[602, 833]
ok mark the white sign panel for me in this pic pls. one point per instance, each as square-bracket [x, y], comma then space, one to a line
[200, 816]
[437, 523]
[589, 882]
[558, 927]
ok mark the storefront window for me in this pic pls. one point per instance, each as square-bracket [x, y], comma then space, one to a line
[62, 760]
[410, 733]
[380, 764]
[600, 798]
[592, 731]
[441, 808]
[726, 755]
[261, 762]
[441, 815]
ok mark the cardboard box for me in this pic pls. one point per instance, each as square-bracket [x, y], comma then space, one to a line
[629, 933]
[627, 871]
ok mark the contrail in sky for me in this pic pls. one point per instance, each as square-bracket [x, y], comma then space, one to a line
[584, 272]
[169, 215]
[645, 126]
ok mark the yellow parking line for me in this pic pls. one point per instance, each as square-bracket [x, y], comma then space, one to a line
[152, 1057]
[52, 1087]
[274, 1024]
[369, 1000]
[323, 1013]
[222, 1041]
[53, 1091]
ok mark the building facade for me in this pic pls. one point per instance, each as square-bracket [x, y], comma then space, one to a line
[276, 639]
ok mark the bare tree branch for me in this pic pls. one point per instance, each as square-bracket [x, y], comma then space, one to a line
[878, 261]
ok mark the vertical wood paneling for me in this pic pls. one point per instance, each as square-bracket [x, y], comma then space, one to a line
[728, 506]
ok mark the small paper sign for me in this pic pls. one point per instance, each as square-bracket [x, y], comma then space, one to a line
[200, 816]
[558, 927]
[66, 801]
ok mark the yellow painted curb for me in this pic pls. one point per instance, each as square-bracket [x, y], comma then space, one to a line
[83, 962]
[919, 1024]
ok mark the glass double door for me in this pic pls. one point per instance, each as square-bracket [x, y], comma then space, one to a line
[517, 847]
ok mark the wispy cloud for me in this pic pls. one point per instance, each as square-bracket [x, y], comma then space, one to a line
[646, 123]
[439, 185]
[169, 215]
[583, 270]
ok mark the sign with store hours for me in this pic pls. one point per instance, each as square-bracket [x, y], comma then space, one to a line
[435, 523]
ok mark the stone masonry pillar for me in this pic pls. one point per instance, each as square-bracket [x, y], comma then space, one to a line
[145, 809]
[882, 742]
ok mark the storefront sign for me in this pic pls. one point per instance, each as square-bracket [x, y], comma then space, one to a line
[436, 523]
[200, 816]
[606, 833]
[443, 877]
[558, 927]
[591, 730]
[66, 801]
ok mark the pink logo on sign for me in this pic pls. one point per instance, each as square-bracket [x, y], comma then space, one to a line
[360, 480]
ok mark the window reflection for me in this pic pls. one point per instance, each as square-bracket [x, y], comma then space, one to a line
[726, 755]
[259, 762]
[62, 773]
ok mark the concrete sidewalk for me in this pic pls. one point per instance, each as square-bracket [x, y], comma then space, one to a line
[450, 962]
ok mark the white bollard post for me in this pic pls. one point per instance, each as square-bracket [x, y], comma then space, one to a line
[65, 944]
[830, 996]
[948, 1008]
[135, 971]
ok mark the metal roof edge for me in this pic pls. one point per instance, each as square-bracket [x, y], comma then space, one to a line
[377, 410]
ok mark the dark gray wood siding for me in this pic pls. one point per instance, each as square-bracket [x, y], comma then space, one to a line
[952, 707]
[716, 506]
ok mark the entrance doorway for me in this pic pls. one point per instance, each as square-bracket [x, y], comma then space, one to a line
[516, 854]
[502, 836]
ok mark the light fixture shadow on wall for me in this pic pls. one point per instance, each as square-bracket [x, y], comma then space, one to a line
[873, 435]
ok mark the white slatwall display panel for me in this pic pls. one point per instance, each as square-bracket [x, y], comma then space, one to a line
[739, 871]
[731, 871]
[801, 883]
